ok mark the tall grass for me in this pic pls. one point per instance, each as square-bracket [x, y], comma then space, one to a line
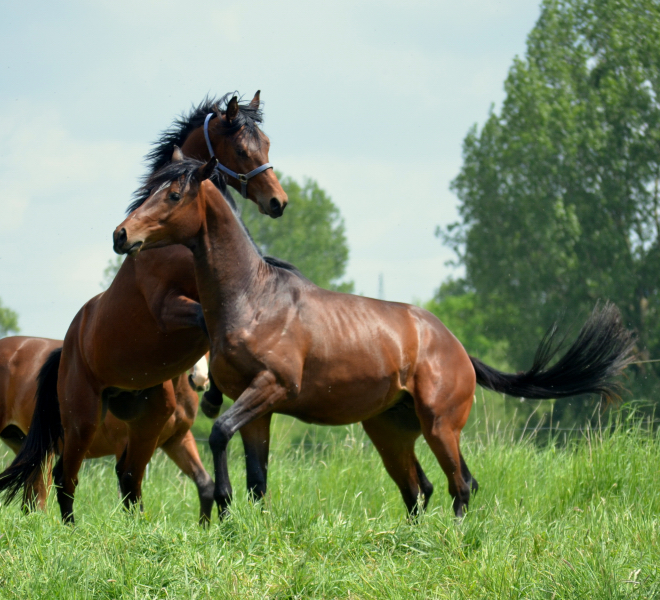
[579, 519]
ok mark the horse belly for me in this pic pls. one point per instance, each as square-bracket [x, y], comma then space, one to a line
[340, 402]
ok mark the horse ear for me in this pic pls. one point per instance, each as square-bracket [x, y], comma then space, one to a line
[232, 109]
[254, 103]
[177, 155]
[205, 171]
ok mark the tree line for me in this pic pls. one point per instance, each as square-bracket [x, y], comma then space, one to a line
[559, 196]
[8, 321]
[559, 190]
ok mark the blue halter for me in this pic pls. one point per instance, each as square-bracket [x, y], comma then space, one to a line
[243, 178]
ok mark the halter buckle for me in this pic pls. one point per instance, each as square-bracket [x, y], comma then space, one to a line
[242, 177]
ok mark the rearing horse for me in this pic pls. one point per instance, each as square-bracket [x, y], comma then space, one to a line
[148, 326]
[281, 344]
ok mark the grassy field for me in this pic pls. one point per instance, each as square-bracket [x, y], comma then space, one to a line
[573, 520]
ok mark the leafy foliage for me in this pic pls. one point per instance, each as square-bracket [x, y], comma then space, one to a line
[456, 307]
[8, 321]
[310, 235]
[559, 193]
[111, 270]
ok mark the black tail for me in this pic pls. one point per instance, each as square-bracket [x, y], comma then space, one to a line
[44, 435]
[601, 351]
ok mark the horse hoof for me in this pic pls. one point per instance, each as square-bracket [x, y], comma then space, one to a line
[209, 409]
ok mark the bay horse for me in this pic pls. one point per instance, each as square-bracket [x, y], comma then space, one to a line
[21, 359]
[280, 344]
[148, 326]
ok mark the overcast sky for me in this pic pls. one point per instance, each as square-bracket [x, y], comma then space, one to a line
[371, 99]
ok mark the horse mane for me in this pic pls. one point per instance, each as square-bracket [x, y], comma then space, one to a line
[176, 134]
[184, 169]
[172, 171]
[278, 263]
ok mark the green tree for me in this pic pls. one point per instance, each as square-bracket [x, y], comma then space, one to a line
[559, 193]
[111, 270]
[456, 307]
[311, 235]
[8, 321]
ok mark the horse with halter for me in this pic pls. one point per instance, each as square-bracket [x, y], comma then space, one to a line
[21, 359]
[281, 344]
[148, 326]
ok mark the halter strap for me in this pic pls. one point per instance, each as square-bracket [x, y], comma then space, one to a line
[244, 178]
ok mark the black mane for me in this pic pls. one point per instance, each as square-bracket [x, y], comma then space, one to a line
[184, 169]
[172, 171]
[282, 264]
[177, 133]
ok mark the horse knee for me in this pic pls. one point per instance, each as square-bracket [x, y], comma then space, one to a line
[219, 438]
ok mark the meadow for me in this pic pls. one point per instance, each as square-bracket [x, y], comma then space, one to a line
[566, 517]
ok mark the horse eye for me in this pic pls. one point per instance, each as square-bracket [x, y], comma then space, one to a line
[175, 197]
[242, 153]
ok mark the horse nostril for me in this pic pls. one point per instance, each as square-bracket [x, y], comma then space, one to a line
[119, 239]
[276, 207]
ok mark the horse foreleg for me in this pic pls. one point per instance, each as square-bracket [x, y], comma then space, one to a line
[256, 443]
[171, 310]
[255, 402]
[183, 451]
[81, 411]
[212, 400]
[143, 434]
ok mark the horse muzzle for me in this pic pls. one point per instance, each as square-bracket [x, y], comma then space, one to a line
[121, 245]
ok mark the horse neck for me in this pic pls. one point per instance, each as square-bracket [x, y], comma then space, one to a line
[227, 263]
[195, 146]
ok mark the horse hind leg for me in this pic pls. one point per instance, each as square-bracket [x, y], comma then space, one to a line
[394, 433]
[81, 410]
[469, 478]
[442, 416]
[35, 493]
[183, 451]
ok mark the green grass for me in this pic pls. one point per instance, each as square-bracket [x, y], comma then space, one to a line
[577, 521]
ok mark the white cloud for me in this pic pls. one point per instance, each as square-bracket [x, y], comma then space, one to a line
[372, 99]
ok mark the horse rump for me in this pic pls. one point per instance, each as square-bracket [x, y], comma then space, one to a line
[44, 436]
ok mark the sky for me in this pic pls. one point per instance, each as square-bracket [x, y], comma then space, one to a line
[370, 99]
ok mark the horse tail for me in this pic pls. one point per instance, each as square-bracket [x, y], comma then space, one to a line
[603, 348]
[44, 435]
